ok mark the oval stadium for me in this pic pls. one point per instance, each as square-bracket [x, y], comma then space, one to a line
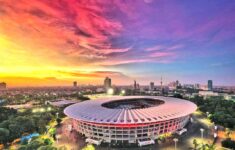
[129, 119]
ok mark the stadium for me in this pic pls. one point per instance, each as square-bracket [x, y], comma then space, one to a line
[129, 119]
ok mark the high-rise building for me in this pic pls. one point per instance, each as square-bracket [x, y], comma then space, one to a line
[162, 89]
[210, 85]
[107, 83]
[151, 87]
[135, 85]
[75, 84]
[197, 86]
[3, 85]
[177, 83]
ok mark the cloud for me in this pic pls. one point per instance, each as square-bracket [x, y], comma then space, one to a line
[155, 48]
[82, 34]
[93, 74]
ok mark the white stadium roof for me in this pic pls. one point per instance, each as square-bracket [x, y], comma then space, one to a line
[93, 111]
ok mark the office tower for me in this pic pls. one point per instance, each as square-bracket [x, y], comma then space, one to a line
[161, 90]
[107, 83]
[197, 86]
[151, 87]
[3, 86]
[177, 83]
[135, 85]
[75, 84]
[210, 85]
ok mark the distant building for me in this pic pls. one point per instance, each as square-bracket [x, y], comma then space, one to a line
[197, 86]
[138, 86]
[75, 84]
[208, 93]
[172, 85]
[135, 85]
[107, 83]
[177, 83]
[190, 86]
[3, 86]
[210, 85]
[151, 87]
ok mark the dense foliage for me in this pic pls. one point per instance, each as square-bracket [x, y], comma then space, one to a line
[6, 113]
[220, 111]
[23, 123]
[228, 143]
[38, 144]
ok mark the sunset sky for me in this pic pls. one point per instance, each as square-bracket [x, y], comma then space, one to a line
[55, 42]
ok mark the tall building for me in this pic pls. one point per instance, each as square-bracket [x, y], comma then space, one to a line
[210, 85]
[75, 84]
[3, 86]
[197, 86]
[177, 83]
[135, 85]
[107, 83]
[151, 87]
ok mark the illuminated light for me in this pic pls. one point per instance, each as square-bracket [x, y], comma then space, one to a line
[34, 110]
[110, 91]
[123, 92]
[42, 110]
[49, 109]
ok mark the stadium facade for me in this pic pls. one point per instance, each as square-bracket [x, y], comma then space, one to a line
[129, 119]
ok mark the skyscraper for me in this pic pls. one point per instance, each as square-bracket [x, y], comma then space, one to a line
[135, 85]
[107, 83]
[177, 83]
[197, 86]
[3, 85]
[75, 84]
[210, 85]
[151, 87]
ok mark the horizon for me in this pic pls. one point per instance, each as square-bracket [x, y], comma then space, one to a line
[53, 43]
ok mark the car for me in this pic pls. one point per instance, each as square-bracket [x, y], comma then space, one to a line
[181, 131]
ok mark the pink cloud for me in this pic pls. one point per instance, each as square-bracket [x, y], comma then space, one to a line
[161, 54]
[155, 48]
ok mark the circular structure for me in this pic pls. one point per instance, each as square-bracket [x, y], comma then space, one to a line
[129, 119]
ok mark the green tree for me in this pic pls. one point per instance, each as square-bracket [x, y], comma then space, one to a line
[195, 143]
[89, 147]
[4, 135]
[47, 147]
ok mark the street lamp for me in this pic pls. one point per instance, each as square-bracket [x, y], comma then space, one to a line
[215, 135]
[57, 115]
[202, 130]
[110, 91]
[57, 138]
[123, 92]
[175, 140]
[216, 127]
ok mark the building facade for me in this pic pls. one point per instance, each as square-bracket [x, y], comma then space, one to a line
[151, 86]
[210, 85]
[129, 119]
[3, 86]
[107, 83]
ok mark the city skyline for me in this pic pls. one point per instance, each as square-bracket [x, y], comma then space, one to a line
[53, 43]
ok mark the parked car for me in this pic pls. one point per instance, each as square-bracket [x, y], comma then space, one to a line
[181, 131]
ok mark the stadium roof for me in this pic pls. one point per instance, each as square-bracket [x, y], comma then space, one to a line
[93, 111]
